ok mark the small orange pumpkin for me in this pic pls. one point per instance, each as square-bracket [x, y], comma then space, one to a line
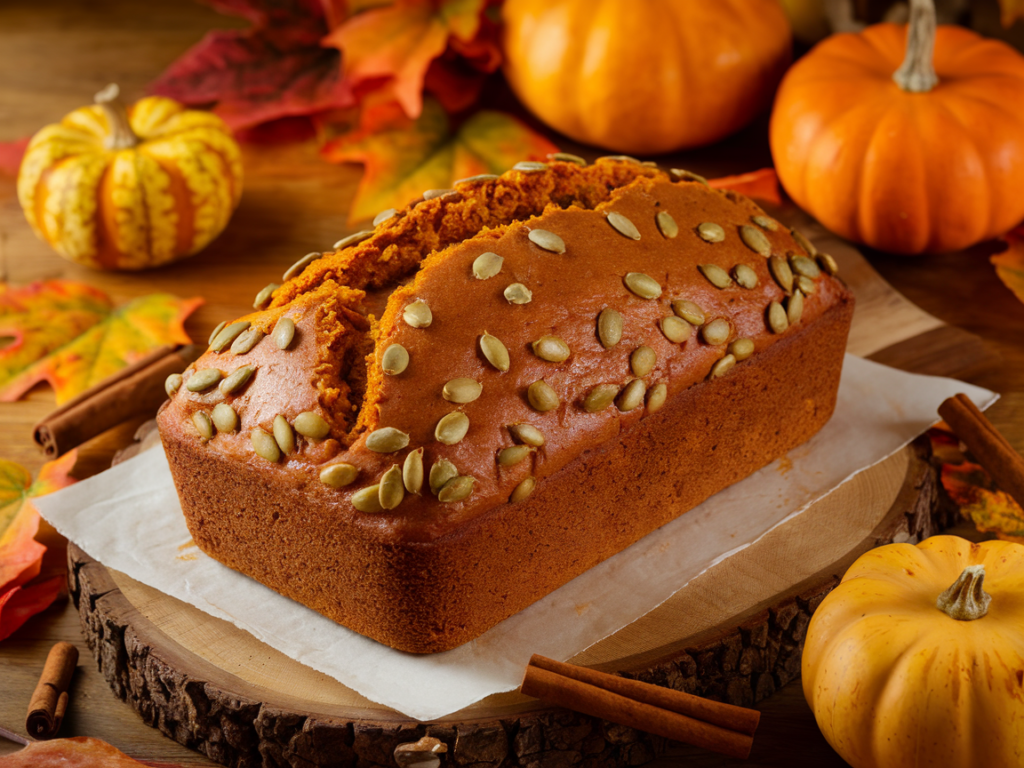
[925, 156]
[129, 189]
[645, 77]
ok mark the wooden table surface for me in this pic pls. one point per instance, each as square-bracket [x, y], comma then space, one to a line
[58, 53]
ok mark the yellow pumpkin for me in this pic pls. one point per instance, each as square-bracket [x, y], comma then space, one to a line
[917, 657]
[129, 189]
[645, 77]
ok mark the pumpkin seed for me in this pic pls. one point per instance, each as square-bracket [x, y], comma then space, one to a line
[229, 334]
[777, 319]
[656, 397]
[392, 489]
[802, 265]
[755, 240]
[295, 269]
[527, 433]
[452, 428]
[338, 475]
[311, 424]
[745, 276]
[225, 418]
[353, 239]
[412, 471]
[632, 396]
[517, 293]
[284, 332]
[803, 242]
[394, 360]
[649, 164]
[387, 440]
[494, 351]
[487, 265]
[509, 457]
[236, 379]
[283, 434]
[710, 232]
[806, 285]
[203, 380]
[642, 361]
[265, 445]
[246, 341]
[666, 224]
[430, 194]
[828, 263]
[456, 489]
[551, 348]
[203, 424]
[172, 384]
[741, 349]
[644, 286]
[609, 327]
[463, 390]
[263, 297]
[478, 177]
[795, 307]
[621, 159]
[549, 241]
[542, 397]
[218, 329]
[623, 226]
[383, 216]
[717, 276]
[521, 491]
[765, 222]
[675, 329]
[780, 270]
[723, 366]
[600, 397]
[442, 471]
[690, 312]
[716, 332]
[680, 175]
[565, 157]
[530, 166]
[367, 499]
[418, 314]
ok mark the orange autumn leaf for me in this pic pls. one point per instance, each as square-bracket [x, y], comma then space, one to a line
[402, 158]
[1011, 11]
[761, 185]
[72, 336]
[76, 752]
[1010, 263]
[397, 43]
[21, 554]
[991, 510]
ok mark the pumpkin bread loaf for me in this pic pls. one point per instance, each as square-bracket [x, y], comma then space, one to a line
[566, 358]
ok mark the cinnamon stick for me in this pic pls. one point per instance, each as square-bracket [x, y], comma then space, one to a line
[639, 709]
[133, 391]
[992, 450]
[49, 701]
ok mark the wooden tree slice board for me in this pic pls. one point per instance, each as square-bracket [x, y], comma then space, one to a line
[735, 633]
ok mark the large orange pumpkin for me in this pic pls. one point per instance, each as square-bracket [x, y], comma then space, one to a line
[648, 76]
[128, 189]
[905, 158]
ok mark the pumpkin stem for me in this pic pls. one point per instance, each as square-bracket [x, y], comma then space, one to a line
[917, 73]
[121, 135]
[965, 600]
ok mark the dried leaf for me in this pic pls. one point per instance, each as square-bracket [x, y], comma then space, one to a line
[77, 752]
[402, 158]
[11, 153]
[762, 185]
[1011, 11]
[70, 335]
[991, 510]
[20, 604]
[397, 43]
[1010, 263]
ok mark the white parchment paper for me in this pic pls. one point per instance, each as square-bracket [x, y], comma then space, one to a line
[129, 519]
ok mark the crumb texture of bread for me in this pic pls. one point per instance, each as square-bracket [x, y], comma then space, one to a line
[719, 348]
